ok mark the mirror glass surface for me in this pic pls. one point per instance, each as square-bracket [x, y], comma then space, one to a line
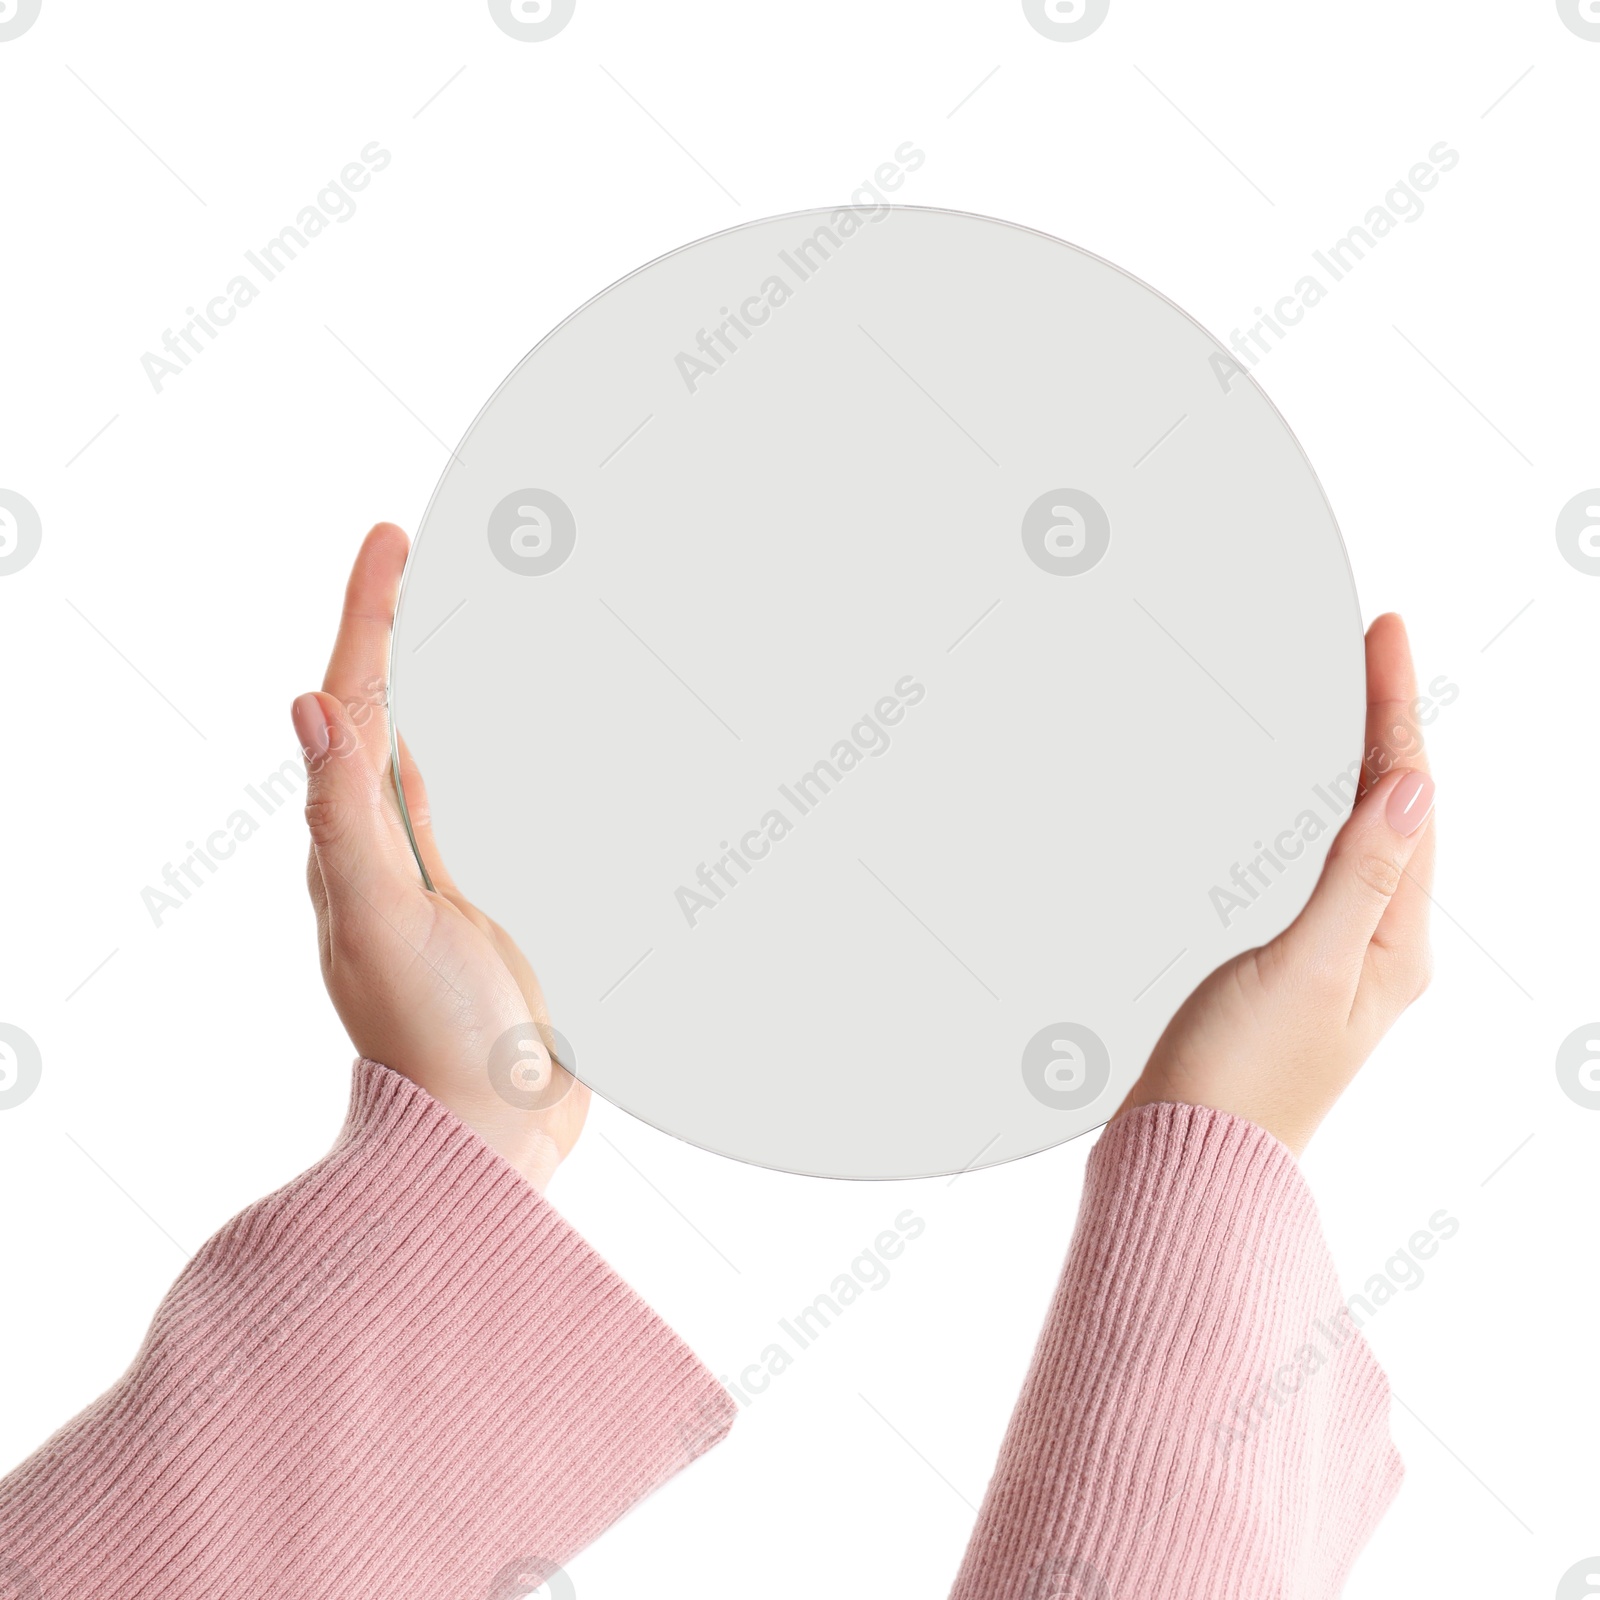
[876, 664]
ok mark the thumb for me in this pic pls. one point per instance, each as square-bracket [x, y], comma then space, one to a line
[1364, 869]
[345, 810]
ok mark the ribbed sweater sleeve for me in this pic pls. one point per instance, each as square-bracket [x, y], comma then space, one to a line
[1201, 1417]
[402, 1374]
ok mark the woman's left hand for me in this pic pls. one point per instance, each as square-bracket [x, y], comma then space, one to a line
[423, 981]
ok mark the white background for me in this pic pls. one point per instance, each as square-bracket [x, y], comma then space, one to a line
[194, 553]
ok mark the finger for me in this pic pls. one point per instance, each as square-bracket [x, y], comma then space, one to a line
[1364, 870]
[522, 970]
[359, 666]
[353, 833]
[421, 815]
[1393, 733]
[1394, 739]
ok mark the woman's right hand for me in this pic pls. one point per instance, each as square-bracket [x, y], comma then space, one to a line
[1276, 1034]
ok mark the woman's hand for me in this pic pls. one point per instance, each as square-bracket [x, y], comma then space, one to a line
[1277, 1033]
[423, 981]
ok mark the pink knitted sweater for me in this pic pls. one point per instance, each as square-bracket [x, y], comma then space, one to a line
[1201, 1419]
[405, 1374]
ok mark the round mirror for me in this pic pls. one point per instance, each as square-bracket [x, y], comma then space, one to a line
[875, 663]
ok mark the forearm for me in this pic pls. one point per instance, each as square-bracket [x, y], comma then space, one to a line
[1200, 1417]
[398, 1374]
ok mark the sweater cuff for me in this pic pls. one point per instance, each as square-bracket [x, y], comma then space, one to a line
[403, 1373]
[1201, 1416]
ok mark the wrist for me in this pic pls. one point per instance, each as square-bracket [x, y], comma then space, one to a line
[1186, 1089]
[519, 1138]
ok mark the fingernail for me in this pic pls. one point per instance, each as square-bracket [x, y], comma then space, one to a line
[310, 725]
[1410, 801]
